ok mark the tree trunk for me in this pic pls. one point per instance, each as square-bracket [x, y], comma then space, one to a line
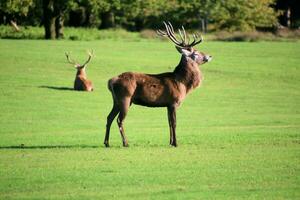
[108, 20]
[53, 19]
[202, 25]
[59, 25]
[49, 19]
[49, 25]
[205, 24]
[288, 17]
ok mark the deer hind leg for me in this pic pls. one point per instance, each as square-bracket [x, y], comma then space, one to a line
[124, 106]
[172, 125]
[110, 118]
[170, 128]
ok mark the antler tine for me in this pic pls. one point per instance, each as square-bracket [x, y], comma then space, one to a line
[185, 34]
[168, 33]
[164, 33]
[195, 42]
[161, 33]
[69, 59]
[90, 53]
[171, 27]
[184, 37]
[171, 35]
[181, 36]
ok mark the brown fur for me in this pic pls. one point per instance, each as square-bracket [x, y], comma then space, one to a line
[155, 90]
[81, 82]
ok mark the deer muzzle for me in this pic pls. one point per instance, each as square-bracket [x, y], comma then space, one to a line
[207, 58]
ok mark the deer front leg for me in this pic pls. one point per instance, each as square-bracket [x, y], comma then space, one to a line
[172, 125]
[113, 113]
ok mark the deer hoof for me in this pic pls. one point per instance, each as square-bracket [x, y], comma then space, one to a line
[125, 145]
[106, 145]
[174, 144]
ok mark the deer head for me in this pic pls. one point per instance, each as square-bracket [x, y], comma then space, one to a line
[184, 46]
[81, 82]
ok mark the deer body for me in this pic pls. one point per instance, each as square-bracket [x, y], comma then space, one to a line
[81, 82]
[157, 90]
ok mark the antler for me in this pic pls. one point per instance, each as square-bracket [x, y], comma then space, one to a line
[90, 53]
[69, 59]
[185, 39]
[73, 62]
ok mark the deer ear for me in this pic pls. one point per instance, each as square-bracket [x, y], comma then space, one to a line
[77, 66]
[185, 52]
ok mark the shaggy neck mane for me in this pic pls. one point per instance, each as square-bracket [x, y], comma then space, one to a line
[188, 73]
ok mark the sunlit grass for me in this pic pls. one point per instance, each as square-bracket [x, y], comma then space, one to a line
[238, 134]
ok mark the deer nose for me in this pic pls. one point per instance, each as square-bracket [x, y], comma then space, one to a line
[207, 58]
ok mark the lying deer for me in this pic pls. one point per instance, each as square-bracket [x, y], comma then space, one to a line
[81, 82]
[158, 90]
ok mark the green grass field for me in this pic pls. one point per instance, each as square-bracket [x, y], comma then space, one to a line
[238, 134]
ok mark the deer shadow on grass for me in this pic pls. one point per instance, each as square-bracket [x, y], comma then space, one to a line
[22, 146]
[57, 88]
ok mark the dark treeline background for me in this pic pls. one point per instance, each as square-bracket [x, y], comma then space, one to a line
[135, 15]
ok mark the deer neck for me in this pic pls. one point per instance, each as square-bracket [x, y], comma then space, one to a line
[188, 73]
[81, 73]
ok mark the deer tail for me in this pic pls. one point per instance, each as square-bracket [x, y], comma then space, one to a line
[110, 86]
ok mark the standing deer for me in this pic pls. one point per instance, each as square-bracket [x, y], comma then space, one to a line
[81, 82]
[158, 90]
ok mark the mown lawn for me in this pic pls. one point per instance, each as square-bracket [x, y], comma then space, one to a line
[238, 135]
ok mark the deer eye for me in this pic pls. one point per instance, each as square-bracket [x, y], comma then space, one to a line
[196, 56]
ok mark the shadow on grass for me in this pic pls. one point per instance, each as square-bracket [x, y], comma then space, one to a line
[22, 146]
[83, 146]
[56, 88]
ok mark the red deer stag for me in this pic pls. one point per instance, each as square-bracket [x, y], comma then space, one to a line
[158, 90]
[81, 82]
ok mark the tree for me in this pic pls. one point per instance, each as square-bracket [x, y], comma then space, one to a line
[108, 9]
[139, 14]
[85, 13]
[290, 16]
[14, 9]
[243, 15]
[53, 12]
[94, 13]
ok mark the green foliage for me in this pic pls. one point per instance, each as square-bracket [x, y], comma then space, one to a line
[7, 32]
[231, 15]
[94, 8]
[250, 36]
[95, 34]
[238, 133]
[87, 34]
[15, 7]
[28, 32]
[244, 15]
[150, 13]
